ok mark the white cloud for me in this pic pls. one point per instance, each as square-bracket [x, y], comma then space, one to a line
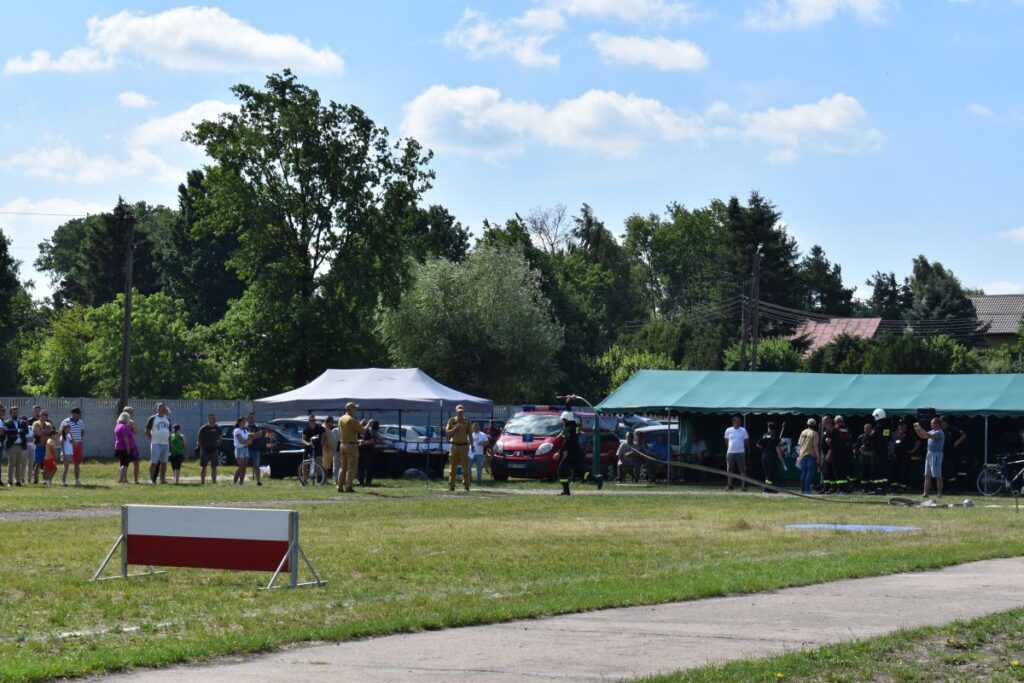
[481, 122]
[661, 53]
[152, 150]
[661, 11]
[167, 130]
[980, 110]
[65, 163]
[1004, 287]
[181, 39]
[836, 125]
[1013, 234]
[134, 100]
[783, 14]
[525, 37]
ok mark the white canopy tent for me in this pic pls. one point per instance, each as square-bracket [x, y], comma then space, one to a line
[374, 389]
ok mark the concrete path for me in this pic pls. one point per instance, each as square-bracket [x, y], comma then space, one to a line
[626, 643]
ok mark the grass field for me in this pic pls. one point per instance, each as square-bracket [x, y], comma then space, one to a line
[987, 649]
[407, 556]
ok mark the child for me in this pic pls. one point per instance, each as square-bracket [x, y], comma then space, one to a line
[67, 450]
[178, 450]
[50, 457]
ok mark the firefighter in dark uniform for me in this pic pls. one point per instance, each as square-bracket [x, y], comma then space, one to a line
[903, 444]
[570, 458]
[837, 466]
[866, 449]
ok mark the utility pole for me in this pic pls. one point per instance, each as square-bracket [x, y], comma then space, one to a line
[755, 296]
[743, 333]
[126, 333]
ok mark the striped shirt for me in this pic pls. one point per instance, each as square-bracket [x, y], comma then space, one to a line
[77, 427]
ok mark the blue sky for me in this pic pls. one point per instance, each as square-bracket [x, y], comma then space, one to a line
[880, 129]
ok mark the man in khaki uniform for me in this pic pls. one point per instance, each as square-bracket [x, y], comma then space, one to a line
[348, 444]
[459, 431]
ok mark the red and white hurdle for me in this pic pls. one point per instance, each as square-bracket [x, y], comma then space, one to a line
[210, 538]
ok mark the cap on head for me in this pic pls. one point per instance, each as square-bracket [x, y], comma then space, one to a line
[351, 406]
[839, 418]
[811, 422]
[568, 416]
[459, 409]
[878, 414]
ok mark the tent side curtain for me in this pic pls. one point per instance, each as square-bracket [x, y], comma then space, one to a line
[814, 393]
[375, 389]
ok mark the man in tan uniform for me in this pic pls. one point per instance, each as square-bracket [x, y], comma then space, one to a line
[459, 431]
[348, 444]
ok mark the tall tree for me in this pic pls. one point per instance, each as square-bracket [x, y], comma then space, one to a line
[890, 299]
[15, 309]
[85, 257]
[435, 233]
[940, 298]
[322, 200]
[197, 267]
[483, 326]
[823, 287]
[759, 222]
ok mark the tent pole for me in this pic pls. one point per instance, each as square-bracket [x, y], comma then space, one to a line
[986, 439]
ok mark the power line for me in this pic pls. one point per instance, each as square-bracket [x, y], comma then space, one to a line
[40, 213]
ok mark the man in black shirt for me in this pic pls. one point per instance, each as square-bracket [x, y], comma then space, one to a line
[771, 455]
[311, 437]
[570, 464]
[208, 440]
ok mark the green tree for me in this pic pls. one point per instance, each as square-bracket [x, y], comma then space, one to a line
[618, 364]
[914, 355]
[483, 325]
[56, 365]
[890, 299]
[85, 257]
[822, 283]
[197, 267]
[744, 227]
[434, 233]
[322, 200]
[773, 354]
[844, 354]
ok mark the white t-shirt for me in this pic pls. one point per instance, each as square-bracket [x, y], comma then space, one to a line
[160, 429]
[736, 436]
[479, 440]
[241, 437]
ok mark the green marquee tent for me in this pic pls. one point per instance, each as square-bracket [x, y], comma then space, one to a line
[813, 394]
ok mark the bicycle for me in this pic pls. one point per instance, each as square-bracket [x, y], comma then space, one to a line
[994, 477]
[310, 471]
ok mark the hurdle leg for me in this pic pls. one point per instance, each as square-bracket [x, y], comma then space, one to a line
[106, 560]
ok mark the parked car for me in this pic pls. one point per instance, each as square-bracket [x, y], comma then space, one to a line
[678, 437]
[530, 440]
[282, 455]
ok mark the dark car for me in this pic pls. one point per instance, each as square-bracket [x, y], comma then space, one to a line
[282, 454]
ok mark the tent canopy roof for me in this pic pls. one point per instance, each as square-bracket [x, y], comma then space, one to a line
[374, 389]
[813, 393]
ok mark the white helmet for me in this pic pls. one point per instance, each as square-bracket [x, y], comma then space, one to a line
[878, 414]
[568, 416]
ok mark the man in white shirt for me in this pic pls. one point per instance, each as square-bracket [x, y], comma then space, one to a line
[736, 443]
[478, 442]
[158, 431]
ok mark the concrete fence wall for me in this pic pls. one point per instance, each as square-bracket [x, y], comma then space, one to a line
[100, 414]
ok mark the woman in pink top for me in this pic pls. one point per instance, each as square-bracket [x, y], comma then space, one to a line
[125, 447]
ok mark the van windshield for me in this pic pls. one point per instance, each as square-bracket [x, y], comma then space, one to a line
[533, 423]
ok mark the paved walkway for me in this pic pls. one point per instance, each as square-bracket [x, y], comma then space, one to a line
[626, 643]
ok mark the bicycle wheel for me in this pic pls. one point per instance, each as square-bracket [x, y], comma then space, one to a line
[311, 472]
[990, 481]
